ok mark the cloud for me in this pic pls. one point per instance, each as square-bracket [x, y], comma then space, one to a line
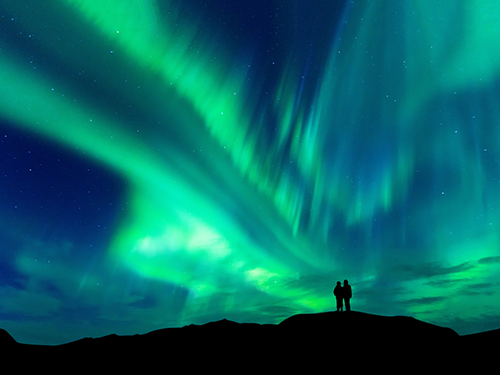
[381, 293]
[446, 283]
[489, 260]
[476, 289]
[481, 323]
[10, 275]
[430, 269]
[147, 302]
[422, 301]
[27, 303]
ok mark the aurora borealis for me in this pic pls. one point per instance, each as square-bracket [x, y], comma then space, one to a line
[168, 162]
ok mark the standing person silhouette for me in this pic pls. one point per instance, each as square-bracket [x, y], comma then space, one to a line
[339, 296]
[347, 294]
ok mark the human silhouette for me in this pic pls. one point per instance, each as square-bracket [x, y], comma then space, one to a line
[347, 294]
[339, 296]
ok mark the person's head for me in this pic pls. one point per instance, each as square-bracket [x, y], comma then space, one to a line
[338, 283]
[345, 282]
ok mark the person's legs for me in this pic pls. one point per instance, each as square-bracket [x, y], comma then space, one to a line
[347, 305]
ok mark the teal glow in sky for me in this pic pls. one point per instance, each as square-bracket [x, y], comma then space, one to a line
[173, 162]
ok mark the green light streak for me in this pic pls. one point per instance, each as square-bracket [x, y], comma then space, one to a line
[142, 244]
[251, 214]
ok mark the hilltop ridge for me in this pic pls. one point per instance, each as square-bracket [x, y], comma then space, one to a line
[320, 339]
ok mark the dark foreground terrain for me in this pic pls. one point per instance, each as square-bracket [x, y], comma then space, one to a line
[307, 343]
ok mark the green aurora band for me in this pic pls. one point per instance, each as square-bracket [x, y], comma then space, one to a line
[386, 173]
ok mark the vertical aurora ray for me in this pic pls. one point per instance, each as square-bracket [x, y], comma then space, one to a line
[365, 148]
[416, 95]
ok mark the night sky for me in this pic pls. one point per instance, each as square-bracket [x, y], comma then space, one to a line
[169, 162]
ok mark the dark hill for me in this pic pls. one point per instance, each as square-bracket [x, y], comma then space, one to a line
[306, 341]
[6, 339]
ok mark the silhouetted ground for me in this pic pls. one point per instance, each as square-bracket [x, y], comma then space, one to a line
[309, 343]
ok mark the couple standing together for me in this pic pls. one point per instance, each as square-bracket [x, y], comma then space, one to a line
[343, 294]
